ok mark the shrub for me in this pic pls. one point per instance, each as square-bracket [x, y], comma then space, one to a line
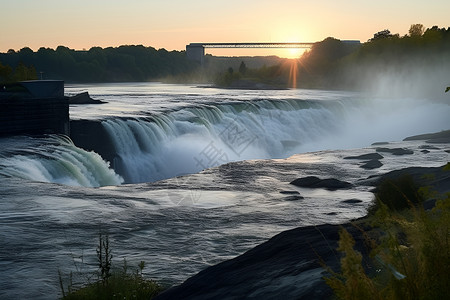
[397, 194]
[411, 254]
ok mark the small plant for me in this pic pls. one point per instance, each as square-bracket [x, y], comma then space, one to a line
[116, 284]
[397, 194]
[104, 257]
[352, 282]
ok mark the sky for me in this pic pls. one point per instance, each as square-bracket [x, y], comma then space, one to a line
[171, 24]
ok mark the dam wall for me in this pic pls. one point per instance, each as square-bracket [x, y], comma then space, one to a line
[34, 108]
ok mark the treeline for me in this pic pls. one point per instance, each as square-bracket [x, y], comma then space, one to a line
[19, 73]
[386, 60]
[124, 63]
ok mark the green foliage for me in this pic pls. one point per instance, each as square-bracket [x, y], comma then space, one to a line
[119, 285]
[384, 34]
[124, 63]
[416, 30]
[352, 282]
[397, 194]
[20, 73]
[267, 75]
[5, 73]
[411, 253]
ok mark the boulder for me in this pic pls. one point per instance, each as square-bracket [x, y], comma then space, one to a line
[371, 164]
[314, 182]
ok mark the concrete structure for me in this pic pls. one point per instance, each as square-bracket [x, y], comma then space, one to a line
[196, 51]
[34, 107]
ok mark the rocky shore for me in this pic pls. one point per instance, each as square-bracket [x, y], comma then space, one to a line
[288, 266]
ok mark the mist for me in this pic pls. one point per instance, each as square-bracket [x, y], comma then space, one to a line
[421, 76]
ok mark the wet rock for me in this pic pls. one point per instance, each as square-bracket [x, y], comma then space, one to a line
[380, 143]
[293, 198]
[371, 164]
[289, 192]
[285, 267]
[371, 156]
[429, 147]
[352, 201]
[315, 182]
[395, 151]
[293, 195]
[425, 151]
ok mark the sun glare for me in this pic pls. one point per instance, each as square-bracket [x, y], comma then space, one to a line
[294, 52]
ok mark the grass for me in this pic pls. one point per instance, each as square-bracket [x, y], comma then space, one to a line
[410, 248]
[118, 284]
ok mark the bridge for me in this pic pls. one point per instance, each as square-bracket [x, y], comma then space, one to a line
[196, 51]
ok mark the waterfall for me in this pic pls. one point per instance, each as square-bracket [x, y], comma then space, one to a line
[196, 138]
[55, 159]
[193, 138]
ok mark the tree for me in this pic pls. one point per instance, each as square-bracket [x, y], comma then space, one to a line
[416, 30]
[242, 68]
[5, 73]
[383, 34]
[23, 72]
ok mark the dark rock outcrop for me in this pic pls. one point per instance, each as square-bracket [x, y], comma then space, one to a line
[369, 156]
[315, 182]
[83, 98]
[292, 195]
[293, 198]
[372, 164]
[435, 138]
[395, 151]
[352, 201]
[285, 267]
[289, 192]
[380, 143]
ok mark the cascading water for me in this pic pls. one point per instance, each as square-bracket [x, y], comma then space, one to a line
[197, 138]
[54, 159]
[190, 139]
[204, 136]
